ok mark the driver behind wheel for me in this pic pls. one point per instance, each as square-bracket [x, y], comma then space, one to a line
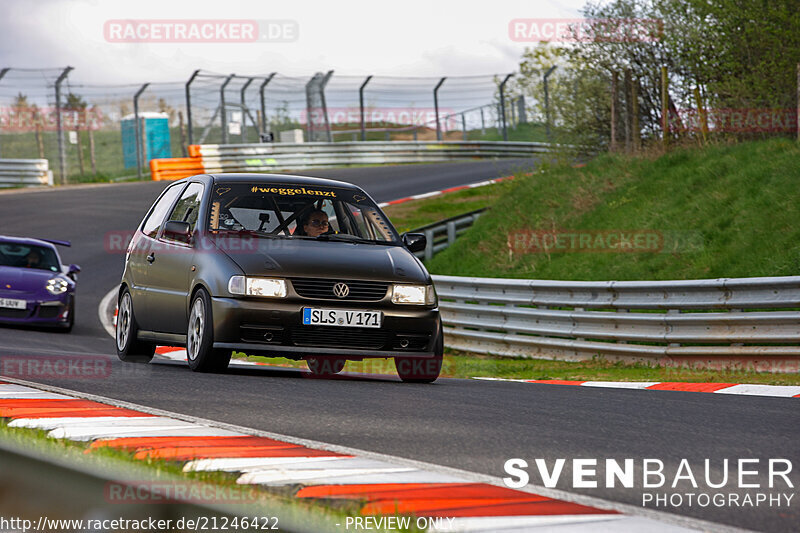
[314, 224]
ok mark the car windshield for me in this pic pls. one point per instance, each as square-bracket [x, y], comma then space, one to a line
[28, 256]
[298, 211]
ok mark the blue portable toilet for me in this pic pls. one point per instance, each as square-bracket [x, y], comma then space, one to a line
[156, 137]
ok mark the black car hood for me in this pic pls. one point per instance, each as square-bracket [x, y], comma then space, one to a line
[327, 259]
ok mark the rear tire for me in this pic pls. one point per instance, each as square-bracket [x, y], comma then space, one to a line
[325, 366]
[419, 369]
[200, 350]
[129, 348]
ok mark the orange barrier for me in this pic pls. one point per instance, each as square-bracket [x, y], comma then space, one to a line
[175, 168]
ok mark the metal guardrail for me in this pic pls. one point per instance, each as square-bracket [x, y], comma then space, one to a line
[443, 233]
[265, 157]
[713, 320]
[25, 173]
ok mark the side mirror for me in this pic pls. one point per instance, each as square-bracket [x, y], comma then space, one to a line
[178, 230]
[73, 271]
[415, 242]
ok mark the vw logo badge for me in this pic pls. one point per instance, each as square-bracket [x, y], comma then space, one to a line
[341, 290]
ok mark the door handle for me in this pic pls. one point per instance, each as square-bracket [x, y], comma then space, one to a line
[151, 257]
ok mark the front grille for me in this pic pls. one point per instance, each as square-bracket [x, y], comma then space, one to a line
[50, 311]
[336, 337]
[13, 313]
[322, 289]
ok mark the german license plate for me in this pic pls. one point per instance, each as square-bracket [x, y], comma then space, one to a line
[342, 317]
[8, 303]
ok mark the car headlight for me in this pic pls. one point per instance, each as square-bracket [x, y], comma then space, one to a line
[413, 294]
[266, 287]
[56, 286]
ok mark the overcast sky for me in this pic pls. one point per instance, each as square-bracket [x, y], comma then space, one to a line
[408, 38]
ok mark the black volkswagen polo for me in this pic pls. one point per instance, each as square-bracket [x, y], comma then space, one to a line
[277, 265]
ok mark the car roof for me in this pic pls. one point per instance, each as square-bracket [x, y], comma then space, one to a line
[26, 241]
[287, 179]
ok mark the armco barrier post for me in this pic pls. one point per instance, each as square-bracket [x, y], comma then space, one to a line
[222, 110]
[436, 108]
[189, 104]
[62, 153]
[261, 90]
[361, 107]
[503, 104]
[139, 147]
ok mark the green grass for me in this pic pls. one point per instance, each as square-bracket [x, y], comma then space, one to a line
[416, 213]
[725, 211]
[468, 365]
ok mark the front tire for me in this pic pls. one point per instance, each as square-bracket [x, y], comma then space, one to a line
[129, 348]
[200, 350]
[422, 370]
[67, 328]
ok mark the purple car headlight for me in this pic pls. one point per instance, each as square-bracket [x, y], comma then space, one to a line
[56, 286]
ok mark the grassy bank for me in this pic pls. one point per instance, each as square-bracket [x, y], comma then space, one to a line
[726, 211]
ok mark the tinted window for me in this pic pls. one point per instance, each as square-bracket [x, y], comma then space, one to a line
[188, 205]
[159, 210]
[27, 256]
[297, 211]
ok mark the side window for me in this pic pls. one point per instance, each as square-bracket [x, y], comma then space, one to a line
[188, 206]
[156, 216]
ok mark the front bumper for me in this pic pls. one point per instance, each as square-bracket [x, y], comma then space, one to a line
[38, 312]
[274, 328]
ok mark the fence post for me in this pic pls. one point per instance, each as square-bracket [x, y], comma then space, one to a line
[798, 102]
[139, 147]
[62, 153]
[635, 117]
[483, 124]
[613, 146]
[189, 104]
[322, 85]
[222, 110]
[521, 111]
[436, 108]
[361, 107]
[3, 73]
[628, 109]
[701, 111]
[464, 126]
[664, 108]
[547, 102]
[244, 108]
[503, 105]
[261, 90]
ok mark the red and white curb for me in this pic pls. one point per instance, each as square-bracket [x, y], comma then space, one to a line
[444, 191]
[384, 485]
[779, 391]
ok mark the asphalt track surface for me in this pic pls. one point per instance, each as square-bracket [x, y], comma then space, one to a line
[470, 425]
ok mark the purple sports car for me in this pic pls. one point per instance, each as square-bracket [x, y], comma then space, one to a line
[35, 288]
